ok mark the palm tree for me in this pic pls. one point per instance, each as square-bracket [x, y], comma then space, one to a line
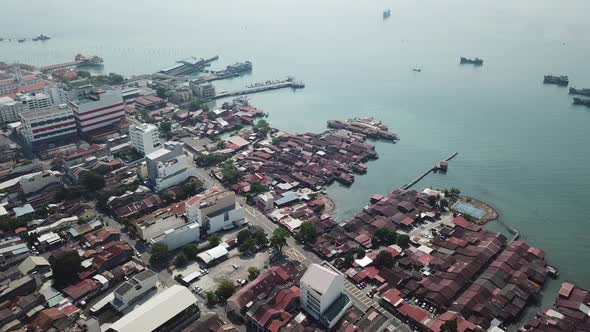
[279, 239]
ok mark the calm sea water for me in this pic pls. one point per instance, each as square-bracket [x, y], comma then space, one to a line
[522, 146]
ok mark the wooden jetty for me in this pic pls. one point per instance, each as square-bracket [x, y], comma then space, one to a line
[421, 176]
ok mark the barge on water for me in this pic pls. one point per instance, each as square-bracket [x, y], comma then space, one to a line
[557, 80]
[467, 61]
[582, 101]
[583, 92]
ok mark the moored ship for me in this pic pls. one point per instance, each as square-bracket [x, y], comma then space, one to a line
[557, 80]
[476, 61]
[41, 37]
[582, 101]
[90, 60]
[583, 92]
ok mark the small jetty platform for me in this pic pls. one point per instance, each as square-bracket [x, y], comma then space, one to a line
[367, 126]
[261, 87]
[421, 176]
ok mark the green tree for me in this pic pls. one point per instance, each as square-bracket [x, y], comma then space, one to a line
[384, 236]
[159, 253]
[83, 74]
[161, 92]
[92, 182]
[455, 192]
[166, 128]
[449, 326]
[384, 259]
[214, 240]
[444, 203]
[348, 260]
[10, 224]
[308, 232]
[221, 145]
[262, 128]
[224, 290]
[194, 105]
[261, 238]
[230, 172]
[190, 251]
[248, 245]
[181, 260]
[253, 273]
[243, 235]
[115, 79]
[211, 298]
[403, 240]
[257, 188]
[279, 239]
[65, 267]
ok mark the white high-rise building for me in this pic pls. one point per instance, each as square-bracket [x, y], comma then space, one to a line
[322, 294]
[168, 168]
[216, 210]
[144, 138]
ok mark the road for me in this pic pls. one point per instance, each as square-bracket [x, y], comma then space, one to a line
[296, 252]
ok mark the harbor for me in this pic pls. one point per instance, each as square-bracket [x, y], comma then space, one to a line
[79, 60]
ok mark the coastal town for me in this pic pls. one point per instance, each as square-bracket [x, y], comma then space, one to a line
[143, 204]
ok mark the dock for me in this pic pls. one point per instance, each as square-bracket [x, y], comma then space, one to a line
[261, 87]
[188, 66]
[57, 66]
[421, 176]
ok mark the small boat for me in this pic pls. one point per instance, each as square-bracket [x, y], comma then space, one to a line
[583, 92]
[476, 61]
[417, 70]
[386, 13]
[41, 37]
[1, 39]
[22, 40]
[582, 101]
[558, 80]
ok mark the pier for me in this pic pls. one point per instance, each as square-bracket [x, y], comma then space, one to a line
[261, 87]
[416, 180]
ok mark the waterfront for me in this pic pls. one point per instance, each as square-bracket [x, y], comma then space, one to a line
[522, 145]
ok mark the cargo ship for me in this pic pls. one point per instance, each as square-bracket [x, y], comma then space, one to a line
[582, 101]
[583, 92]
[476, 61]
[22, 40]
[558, 80]
[239, 67]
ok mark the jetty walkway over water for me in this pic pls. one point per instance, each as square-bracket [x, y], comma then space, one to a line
[261, 87]
[416, 180]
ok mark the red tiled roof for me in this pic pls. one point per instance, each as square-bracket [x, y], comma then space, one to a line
[81, 289]
[463, 223]
[410, 311]
[393, 296]
[566, 289]
[266, 280]
[46, 317]
[537, 252]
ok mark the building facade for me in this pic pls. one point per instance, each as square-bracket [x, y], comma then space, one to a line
[98, 110]
[48, 125]
[180, 236]
[203, 91]
[134, 288]
[322, 294]
[144, 138]
[10, 109]
[167, 168]
[171, 310]
[35, 182]
[215, 211]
